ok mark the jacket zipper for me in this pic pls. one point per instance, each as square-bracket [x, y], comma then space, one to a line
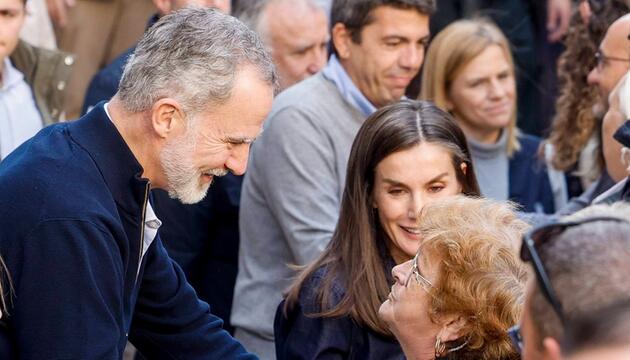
[144, 212]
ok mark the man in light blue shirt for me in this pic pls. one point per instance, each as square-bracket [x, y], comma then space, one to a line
[32, 81]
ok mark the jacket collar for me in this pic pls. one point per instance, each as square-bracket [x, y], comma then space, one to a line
[623, 134]
[120, 169]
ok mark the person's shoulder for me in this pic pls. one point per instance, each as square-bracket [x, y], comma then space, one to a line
[49, 175]
[111, 74]
[312, 95]
[529, 143]
[315, 283]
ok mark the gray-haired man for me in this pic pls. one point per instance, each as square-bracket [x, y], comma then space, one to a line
[79, 233]
[294, 31]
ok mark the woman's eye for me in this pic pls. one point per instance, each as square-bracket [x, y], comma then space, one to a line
[436, 188]
[395, 191]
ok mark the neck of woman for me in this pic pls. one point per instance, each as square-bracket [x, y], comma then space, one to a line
[418, 348]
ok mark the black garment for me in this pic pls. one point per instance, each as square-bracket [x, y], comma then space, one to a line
[202, 238]
[299, 336]
[72, 214]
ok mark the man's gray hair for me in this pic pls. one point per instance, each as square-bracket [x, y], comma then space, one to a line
[252, 14]
[588, 266]
[193, 56]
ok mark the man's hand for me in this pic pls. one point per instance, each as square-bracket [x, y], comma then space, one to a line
[558, 15]
[58, 11]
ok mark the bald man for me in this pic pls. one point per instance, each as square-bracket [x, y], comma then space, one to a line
[613, 59]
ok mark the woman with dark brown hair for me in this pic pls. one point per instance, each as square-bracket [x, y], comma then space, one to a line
[575, 128]
[405, 155]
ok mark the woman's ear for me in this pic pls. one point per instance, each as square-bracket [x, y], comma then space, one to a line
[452, 328]
[464, 167]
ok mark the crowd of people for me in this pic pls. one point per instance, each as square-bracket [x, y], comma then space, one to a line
[312, 179]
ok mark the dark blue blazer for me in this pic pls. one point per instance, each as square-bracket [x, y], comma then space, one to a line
[71, 213]
[300, 336]
[529, 182]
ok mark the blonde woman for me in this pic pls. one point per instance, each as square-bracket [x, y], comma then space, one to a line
[464, 288]
[470, 73]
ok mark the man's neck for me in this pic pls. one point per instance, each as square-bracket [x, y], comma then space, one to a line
[133, 129]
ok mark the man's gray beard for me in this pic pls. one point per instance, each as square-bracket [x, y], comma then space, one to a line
[182, 177]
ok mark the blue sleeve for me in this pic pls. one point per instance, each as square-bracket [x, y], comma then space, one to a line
[68, 284]
[171, 322]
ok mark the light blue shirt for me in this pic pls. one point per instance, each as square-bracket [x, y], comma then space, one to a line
[19, 117]
[335, 73]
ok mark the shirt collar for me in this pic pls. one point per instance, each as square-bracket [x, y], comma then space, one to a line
[335, 73]
[10, 75]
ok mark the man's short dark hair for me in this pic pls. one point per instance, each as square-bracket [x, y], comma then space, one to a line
[355, 14]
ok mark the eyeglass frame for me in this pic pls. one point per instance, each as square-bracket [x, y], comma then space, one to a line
[528, 253]
[600, 58]
[415, 271]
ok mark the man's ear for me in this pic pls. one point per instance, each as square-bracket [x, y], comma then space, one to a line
[551, 349]
[163, 7]
[341, 39]
[167, 118]
[452, 328]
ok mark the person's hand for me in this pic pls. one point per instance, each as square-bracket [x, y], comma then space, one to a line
[558, 15]
[58, 11]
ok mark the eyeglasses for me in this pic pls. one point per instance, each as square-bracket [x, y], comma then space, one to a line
[532, 240]
[415, 273]
[601, 59]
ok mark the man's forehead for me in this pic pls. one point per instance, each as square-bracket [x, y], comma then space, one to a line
[394, 21]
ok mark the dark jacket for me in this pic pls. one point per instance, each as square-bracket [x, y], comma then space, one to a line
[300, 336]
[202, 238]
[104, 84]
[529, 182]
[47, 73]
[71, 212]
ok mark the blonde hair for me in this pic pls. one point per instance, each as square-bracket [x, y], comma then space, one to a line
[480, 276]
[451, 50]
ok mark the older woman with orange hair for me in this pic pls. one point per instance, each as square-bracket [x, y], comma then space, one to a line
[464, 288]
[469, 72]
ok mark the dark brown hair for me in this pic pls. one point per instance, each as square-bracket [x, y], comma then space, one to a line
[355, 14]
[574, 122]
[356, 255]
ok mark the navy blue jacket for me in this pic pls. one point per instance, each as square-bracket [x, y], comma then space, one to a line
[300, 336]
[529, 182]
[71, 213]
[202, 238]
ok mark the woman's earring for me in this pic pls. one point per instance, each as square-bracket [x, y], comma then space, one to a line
[439, 347]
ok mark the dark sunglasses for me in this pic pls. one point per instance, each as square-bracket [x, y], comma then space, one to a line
[532, 240]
